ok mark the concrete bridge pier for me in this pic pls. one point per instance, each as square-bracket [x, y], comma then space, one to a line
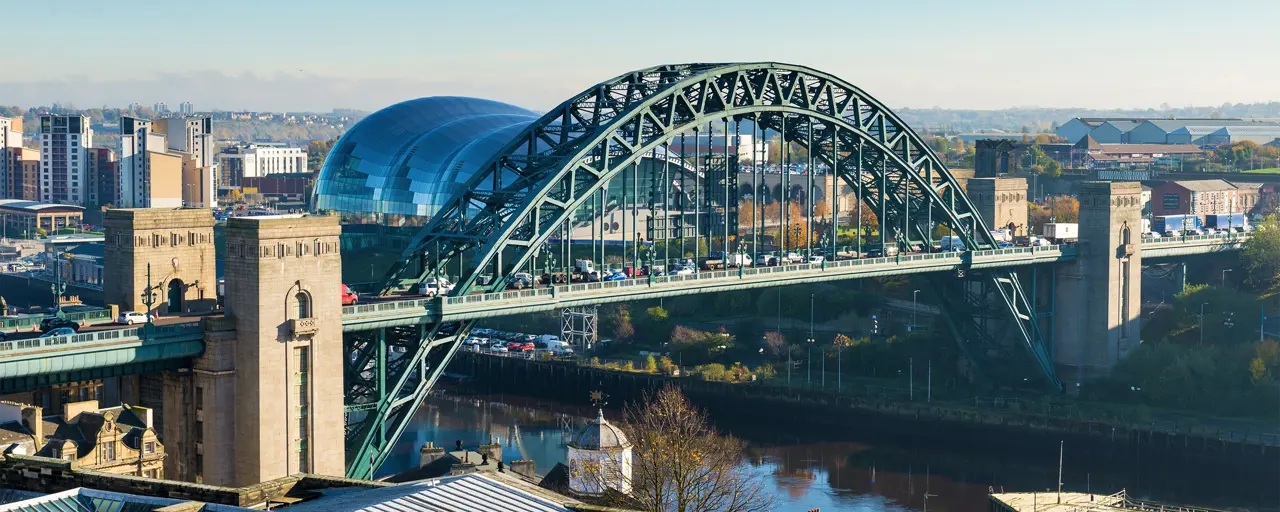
[1099, 295]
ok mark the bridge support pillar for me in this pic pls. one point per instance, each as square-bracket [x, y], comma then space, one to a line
[1100, 294]
[283, 294]
[178, 246]
[1180, 277]
[1002, 202]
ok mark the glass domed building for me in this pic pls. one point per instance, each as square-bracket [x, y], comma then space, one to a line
[412, 157]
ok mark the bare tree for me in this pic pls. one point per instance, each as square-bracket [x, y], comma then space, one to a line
[775, 343]
[682, 464]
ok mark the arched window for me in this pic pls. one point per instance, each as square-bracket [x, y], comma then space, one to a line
[304, 305]
[1124, 235]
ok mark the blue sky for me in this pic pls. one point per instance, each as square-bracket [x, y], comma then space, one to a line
[320, 54]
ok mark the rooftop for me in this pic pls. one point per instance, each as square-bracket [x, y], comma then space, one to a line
[1205, 185]
[35, 206]
[472, 492]
[92, 500]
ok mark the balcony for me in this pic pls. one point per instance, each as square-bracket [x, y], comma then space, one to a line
[304, 326]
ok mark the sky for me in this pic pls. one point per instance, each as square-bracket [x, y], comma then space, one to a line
[317, 55]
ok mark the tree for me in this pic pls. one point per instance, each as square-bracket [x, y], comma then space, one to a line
[1064, 208]
[619, 322]
[870, 222]
[235, 196]
[775, 343]
[821, 210]
[1262, 253]
[680, 463]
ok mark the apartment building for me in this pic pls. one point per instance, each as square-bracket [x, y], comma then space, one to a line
[257, 160]
[63, 164]
[10, 138]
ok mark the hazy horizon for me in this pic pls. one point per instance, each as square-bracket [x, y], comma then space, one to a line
[320, 55]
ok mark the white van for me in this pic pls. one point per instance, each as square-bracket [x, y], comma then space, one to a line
[435, 286]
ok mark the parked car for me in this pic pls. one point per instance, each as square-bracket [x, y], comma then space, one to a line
[53, 322]
[616, 276]
[497, 349]
[514, 346]
[435, 286]
[349, 296]
[61, 331]
[132, 317]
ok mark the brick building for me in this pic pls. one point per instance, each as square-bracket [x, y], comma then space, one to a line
[1203, 197]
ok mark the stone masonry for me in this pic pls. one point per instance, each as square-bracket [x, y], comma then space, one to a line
[1002, 202]
[1099, 296]
[177, 243]
[283, 293]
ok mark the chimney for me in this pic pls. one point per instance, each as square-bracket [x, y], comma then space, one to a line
[493, 450]
[71, 410]
[33, 419]
[524, 468]
[429, 453]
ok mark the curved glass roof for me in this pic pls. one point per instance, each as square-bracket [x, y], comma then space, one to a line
[411, 158]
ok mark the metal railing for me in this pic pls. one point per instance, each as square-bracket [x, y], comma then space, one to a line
[429, 305]
[104, 336]
[32, 322]
[1220, 237]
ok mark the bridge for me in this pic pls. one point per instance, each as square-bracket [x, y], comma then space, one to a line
[628, 171]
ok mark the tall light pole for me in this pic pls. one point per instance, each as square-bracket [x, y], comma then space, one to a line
[1202, 305]
[809, 358]
[1224, 277]
[913, 310]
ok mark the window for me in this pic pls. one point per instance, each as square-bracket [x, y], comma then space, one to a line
[304, 305]
[199, 398]
[108, 450]
[149, 447]
[1172, 201]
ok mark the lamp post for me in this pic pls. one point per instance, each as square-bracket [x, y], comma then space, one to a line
[148, 298]
[1202, 305]
[913, 310]
[809, 357]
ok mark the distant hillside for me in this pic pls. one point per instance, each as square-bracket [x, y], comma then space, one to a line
[1032, 119]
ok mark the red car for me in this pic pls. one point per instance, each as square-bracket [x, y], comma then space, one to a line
[349, 296]
[515, 346]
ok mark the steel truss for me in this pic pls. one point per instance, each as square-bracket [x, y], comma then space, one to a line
[527, 193]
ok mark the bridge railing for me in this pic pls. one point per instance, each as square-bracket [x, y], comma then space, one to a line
[32, 322]
[569, 289]
[105, 336]
[1220, 237]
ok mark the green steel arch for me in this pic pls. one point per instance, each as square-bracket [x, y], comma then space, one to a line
[530, 188]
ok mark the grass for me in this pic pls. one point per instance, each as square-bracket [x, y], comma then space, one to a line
[1268, 170]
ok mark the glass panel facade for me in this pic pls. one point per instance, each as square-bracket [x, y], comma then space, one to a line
[411, 158]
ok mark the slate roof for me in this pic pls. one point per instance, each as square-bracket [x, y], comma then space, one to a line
[1205, 185]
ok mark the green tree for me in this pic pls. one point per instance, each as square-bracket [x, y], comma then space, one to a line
[1262, 253]
[651, 364]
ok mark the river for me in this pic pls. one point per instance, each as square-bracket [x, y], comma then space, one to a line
[806, 469]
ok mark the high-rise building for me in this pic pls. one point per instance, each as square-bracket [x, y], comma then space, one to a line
[193, 136]
[258, 160]
[161, 108]
[23, 179]
[137, 140]
[63, 164]
[10, 137]
[186, 109]
[104, 177]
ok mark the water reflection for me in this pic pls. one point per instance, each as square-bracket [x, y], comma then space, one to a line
[831, 474]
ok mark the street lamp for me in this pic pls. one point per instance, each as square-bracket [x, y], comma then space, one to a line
[809, 344]
[1224, 277]
[913, 310]
[1202, 305]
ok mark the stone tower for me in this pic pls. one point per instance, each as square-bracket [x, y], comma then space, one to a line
[283, 293]
[1099, 296]
[1001, 202]
[177, 243]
